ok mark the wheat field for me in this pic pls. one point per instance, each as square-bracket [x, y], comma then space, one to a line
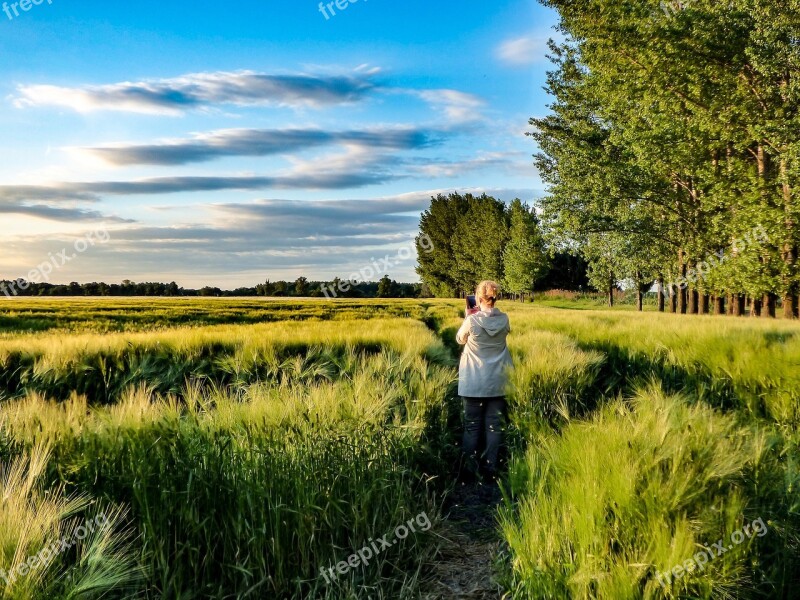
[239, 448]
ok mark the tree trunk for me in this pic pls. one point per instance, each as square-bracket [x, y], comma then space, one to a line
[755, 307]
[683, 298]
[719, 305]
[694, 298]
[611, 290]
[682, 289]
[673, 299]
[639, 292]
[661, 292]
[768, 305]
[704, 300]
[789, 302]
[790, 285]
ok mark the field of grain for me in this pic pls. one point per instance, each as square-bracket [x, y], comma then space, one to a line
[243, 448]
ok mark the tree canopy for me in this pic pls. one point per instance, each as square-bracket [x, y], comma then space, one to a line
[673, 137]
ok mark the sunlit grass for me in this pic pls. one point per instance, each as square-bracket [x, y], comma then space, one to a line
[299, 443]
[252, 442]
[730, 362]
[611, 502]
[34, 521]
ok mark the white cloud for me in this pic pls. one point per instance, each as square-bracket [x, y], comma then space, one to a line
[524, 50]
[457, 106]
[485, 160]
[258, 142]
[242, 243]
[201, 91]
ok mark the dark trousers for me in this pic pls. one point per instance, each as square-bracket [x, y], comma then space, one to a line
[485, 415]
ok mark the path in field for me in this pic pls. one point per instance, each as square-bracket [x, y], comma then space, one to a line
[469, 542]
[468, 537]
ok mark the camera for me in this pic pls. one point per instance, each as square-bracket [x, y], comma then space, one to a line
[472, 306]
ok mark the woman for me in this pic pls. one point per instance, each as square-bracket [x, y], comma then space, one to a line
[482, 377]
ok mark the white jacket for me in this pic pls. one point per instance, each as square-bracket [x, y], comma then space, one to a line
[482, 372]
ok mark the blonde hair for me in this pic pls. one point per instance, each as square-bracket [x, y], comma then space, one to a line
[488, 291]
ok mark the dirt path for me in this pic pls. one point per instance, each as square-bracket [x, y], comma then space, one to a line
[463, 568]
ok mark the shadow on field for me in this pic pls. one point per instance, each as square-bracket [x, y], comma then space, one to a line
[623, 371]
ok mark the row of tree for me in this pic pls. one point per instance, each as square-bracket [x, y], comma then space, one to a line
[674, 136]
[301, 287]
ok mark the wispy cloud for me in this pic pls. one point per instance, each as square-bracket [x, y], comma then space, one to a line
[504, 161]
[311, 227]
[320, 233]
[203, 90]
[524, 50]
[54, 203]
[257, 142]
[59, 213]
[458, 107]
[93, 191]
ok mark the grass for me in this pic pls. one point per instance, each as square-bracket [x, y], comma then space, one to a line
[245, 444]
[641, 487]
[33, 522]
[747, 364]
[299, 441]
[103, 366]
[104, 315]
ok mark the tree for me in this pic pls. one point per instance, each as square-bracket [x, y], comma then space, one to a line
[265, 289]
[660, 155]
[435, 253]
[595, 187]
[524, 258]
[387, 288]
[465, 237]
[480, 236]
[301, 286]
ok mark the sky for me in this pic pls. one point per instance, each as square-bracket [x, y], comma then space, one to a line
[213, 143]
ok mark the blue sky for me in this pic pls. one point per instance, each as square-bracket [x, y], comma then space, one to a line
[227, 143]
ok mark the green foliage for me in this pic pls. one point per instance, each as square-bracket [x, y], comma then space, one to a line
[658, 155]
[479, 238]
[524, 258]
[387, 288]
[439, 223]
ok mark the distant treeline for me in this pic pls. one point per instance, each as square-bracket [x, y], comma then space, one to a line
[567, 273]
[301, 287]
